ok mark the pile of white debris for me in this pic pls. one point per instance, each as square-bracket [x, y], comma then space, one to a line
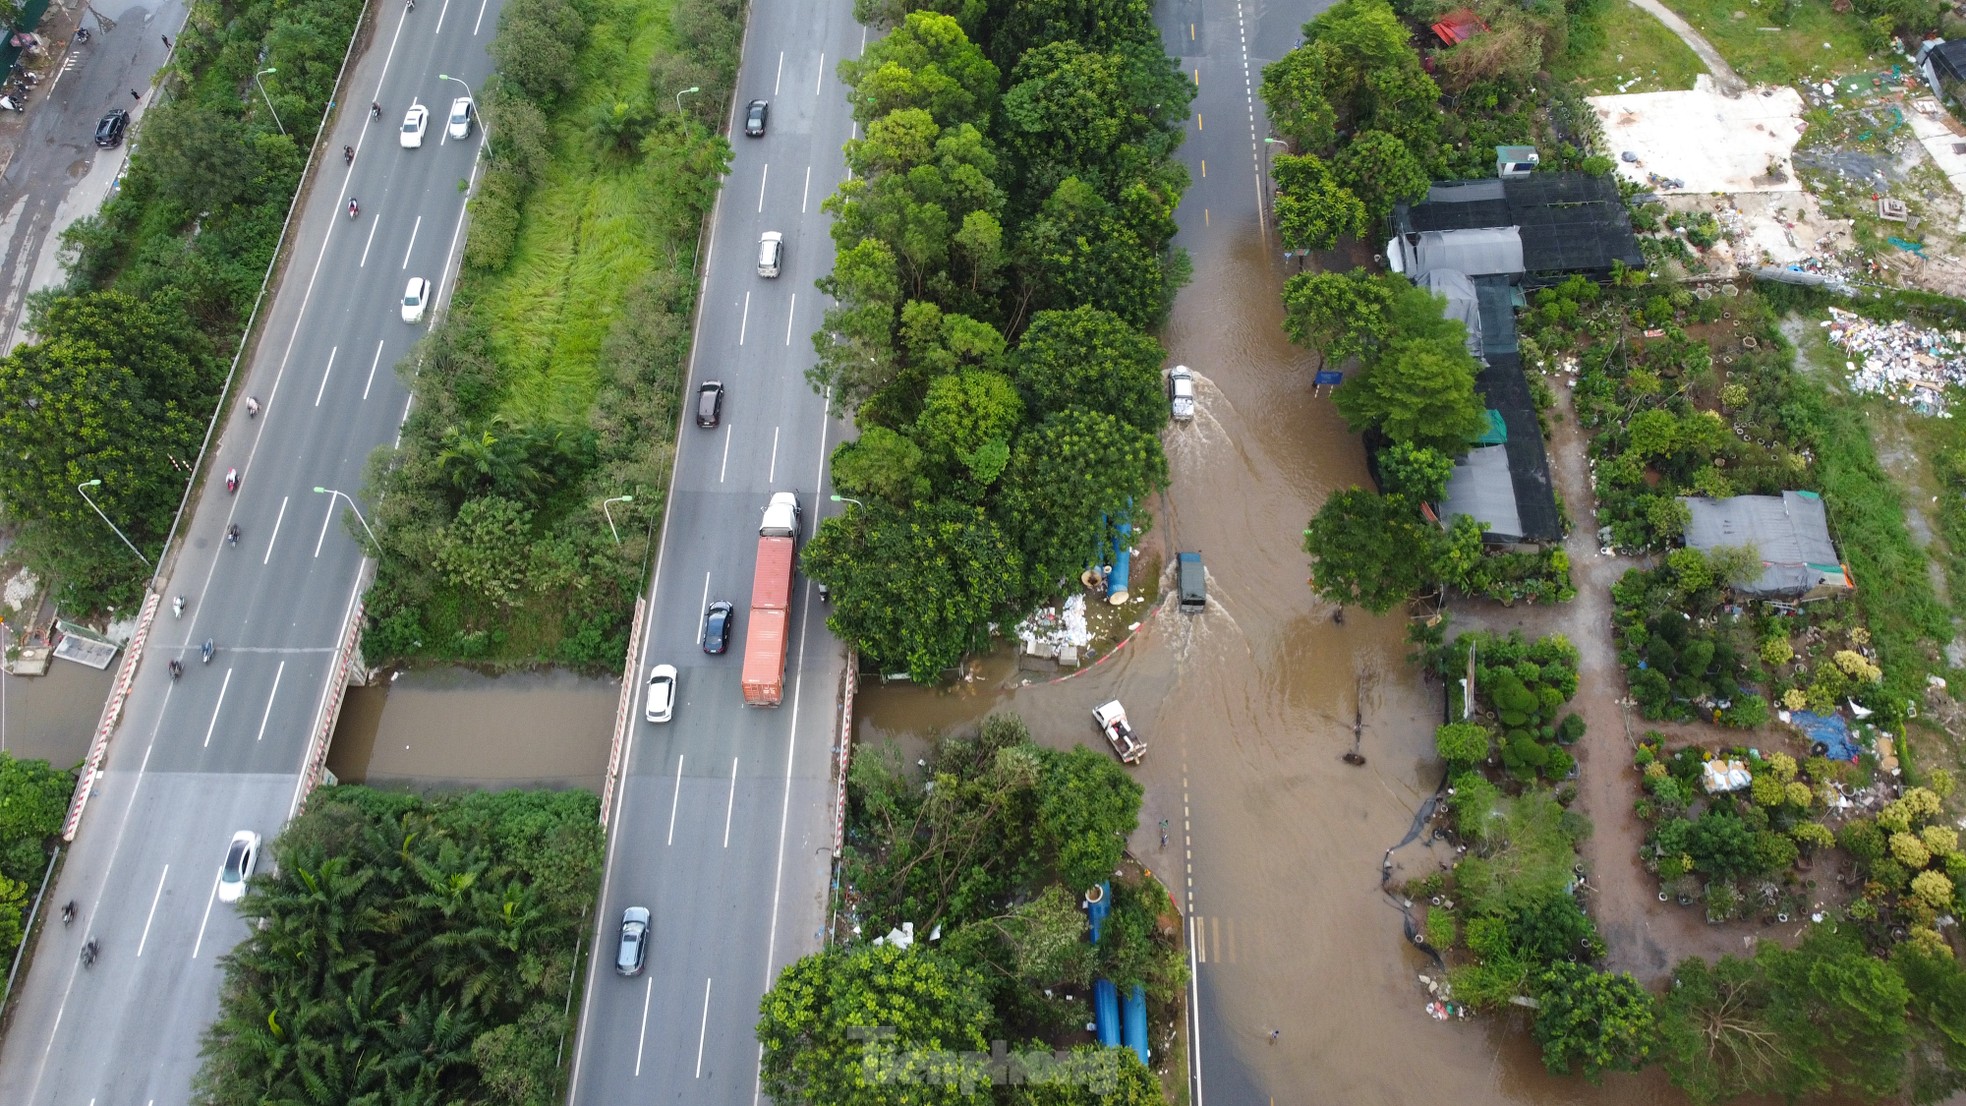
[1913, 365]
[1056, 633]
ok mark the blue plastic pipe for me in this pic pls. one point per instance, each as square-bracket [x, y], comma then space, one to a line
[1106, 1012]
[1134, 1021]
[1122, 564]
[1097, 910]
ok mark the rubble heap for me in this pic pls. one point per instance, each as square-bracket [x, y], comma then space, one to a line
[1911, 364]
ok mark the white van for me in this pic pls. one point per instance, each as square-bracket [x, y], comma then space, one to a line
[771, 251]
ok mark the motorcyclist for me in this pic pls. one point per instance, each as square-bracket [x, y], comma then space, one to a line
[232, 533]
[177, 669]
[207, 651]
[353, 207]
[348, 155]
[252, 406]
[231, 480]
[375, 109]
[177, 606]
[68, 912]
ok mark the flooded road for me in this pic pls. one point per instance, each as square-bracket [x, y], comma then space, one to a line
[1249, 708]
[453, 728]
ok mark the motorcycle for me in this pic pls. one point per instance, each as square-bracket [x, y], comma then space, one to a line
[177, 670]
[231, 480]
[232, 534]
[252, 406]
[353, 207]
[206, 651]
[12, 103]
[81, 34]
[177, 606]
[348, 155]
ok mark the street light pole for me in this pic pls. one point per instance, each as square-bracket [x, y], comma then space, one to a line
[106, 522]
[269, 99]
[683, 93]
[358, 514]
[610, 514]
[847, 499]
[474, 101]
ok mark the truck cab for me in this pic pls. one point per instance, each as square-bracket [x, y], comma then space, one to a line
[1193, 582]
[782, 516]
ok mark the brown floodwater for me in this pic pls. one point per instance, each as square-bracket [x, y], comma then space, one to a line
[1248, 709]
[53, 717]
[453, 728]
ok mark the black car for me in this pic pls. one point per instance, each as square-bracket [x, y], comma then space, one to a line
[109, 131]
[709, 403]
[716, 627]
[755, 116]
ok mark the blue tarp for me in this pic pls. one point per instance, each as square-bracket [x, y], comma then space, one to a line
[1830, 729]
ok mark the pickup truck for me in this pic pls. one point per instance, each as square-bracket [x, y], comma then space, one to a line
[1111, 718]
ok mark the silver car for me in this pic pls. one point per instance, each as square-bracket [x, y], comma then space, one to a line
[634, 949]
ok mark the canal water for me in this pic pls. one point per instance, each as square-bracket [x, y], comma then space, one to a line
[453, 728]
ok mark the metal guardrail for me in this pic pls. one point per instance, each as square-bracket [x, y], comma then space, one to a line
[317, 745]
[844, 751]
[621, 710]
[112, 712]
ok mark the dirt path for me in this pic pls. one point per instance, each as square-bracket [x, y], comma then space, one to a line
[1645, 936]
[1729, 81]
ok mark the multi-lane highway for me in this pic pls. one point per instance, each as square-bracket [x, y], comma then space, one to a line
[221, 749]
[722, 826]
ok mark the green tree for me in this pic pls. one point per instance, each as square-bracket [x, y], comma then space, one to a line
[927, 62]
[1294, 91]
[1313, 210]
[1058, 114]
[967, 422]
[1095, 24]
[1842, 1012]
[1341, 315]
[1462, 743]
[1717, 1040]
[1937, 988]
[1371, 551]
[487, 550]
[1082, 249]
[1421, 392]
[1087, 804]
[1415, 473]
[857, 353]
[874, 1025]
[1093, 359]
[881, 463]
[536, 45]
[1596, 1020]
[114, 390]
[916, 587]
[1064, 474]
[1381, 172]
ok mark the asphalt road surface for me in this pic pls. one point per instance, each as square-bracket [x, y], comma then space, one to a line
[222, 749]
[1223, 46]
[53, 172]
[723, 822]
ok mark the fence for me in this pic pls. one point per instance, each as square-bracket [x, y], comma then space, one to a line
[621, 710]
[845, 751]
[112, 711]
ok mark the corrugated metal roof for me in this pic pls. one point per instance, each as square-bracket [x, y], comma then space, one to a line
[1790, 532]
[1485, 251]
[1463, 303]
[1480, 486]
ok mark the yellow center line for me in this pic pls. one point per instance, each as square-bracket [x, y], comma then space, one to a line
[1197, 120]
[1204, 216]
[1197, 78]
[1204, 168]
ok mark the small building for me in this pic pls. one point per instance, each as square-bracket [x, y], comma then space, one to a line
[1516, 161]
[1944, 67]
[1459, 26]
[1540, 229]
[1790, 532]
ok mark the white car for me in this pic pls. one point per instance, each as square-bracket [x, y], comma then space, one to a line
[415, 122]
[416, 300]
[662, 693]
[460, 124]
[771, 253]
[240, 857]
[1181, 392]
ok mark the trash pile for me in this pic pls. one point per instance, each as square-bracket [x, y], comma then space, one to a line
[1056, 633]
[1910, 364]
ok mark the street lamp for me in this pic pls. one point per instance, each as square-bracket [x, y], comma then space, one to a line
[358, 514]
[847, 499]
[474, 100]
[683, 93]
[610, 514]
[269, 99]
[106, 522]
